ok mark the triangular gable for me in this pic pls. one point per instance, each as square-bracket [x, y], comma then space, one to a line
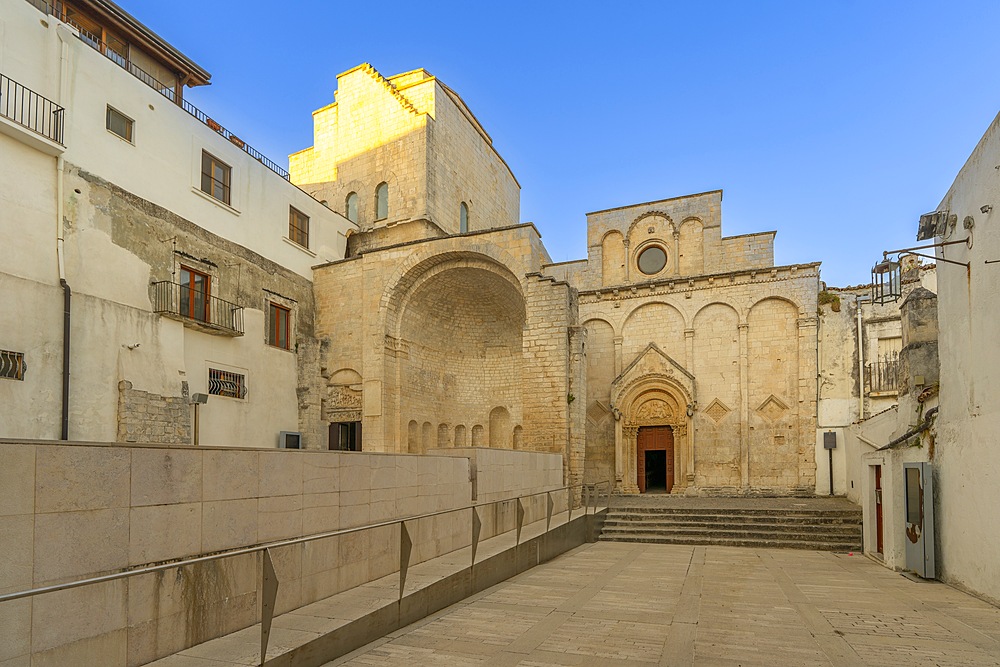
[645, 356]
[653, 362]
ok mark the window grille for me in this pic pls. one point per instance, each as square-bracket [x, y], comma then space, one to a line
[226, 383]
[12, 365]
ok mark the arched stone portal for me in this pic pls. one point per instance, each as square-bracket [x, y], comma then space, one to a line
[652, 399]
[456, 343]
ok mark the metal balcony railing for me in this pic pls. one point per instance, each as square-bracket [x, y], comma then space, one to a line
[196, 308]
[31, 110]
[57, 9]
[883, 374]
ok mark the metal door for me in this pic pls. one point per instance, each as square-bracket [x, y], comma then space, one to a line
[919, 493]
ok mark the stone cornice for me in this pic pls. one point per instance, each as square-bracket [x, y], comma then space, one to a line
[677, 285]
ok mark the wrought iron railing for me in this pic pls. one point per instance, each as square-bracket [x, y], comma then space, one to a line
[883, 373]
[31, 110]
[58, 10]
[196, 306]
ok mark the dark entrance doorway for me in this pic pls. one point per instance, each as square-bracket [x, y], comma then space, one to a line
[656, 471]
[878, 510]
[655, 464]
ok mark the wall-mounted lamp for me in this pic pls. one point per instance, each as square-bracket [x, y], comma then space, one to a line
[197, 400]
[690, 409]
[986, 208]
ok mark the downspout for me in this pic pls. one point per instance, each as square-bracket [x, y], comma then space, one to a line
[61, 32]
[861, 361]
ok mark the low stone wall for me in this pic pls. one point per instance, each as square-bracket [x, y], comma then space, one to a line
[77, 510]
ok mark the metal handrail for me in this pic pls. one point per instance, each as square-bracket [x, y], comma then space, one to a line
[282, 543]
[29, 109]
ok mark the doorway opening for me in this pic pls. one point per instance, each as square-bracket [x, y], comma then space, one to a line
[656, 471]
[655, 464]
[345, 436]
[878, 511]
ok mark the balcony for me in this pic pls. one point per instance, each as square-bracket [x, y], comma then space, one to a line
[882, 375]
[31, 116]
[197, 310]
[170, 91]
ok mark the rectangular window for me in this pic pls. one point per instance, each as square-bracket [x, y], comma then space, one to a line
[195, 288]
[216, 176]
[119, 124]
[278, 329]
[298, 227]
[12, 365]
[226, 383]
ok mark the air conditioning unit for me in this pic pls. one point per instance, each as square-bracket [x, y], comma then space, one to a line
[289, 440]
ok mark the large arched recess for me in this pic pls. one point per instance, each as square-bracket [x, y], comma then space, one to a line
[718, 422]
[456, 323]
[773, 393]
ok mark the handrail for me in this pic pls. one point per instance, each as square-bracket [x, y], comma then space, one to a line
[125, 574]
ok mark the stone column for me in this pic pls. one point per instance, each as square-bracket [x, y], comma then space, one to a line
[619, 456]
[629, 484]
[618, 354]
[682, 442]
[677, 252]
[744, 406]
[628, 263]
[807, 401]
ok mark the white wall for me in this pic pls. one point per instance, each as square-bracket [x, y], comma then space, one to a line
[111, 307]
[966, 455]
[164, 163]
[270, 406]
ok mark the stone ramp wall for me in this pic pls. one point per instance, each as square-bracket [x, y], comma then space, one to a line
[77, 510]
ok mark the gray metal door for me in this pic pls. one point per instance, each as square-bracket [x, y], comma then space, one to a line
[919, 494]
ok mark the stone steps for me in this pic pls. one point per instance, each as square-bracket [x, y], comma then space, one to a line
[743, 525]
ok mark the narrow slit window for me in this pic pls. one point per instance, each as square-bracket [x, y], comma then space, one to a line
[382, 201]
[463, 218]
[351, 206]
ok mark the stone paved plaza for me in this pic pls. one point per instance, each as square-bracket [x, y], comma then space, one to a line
[628, 604]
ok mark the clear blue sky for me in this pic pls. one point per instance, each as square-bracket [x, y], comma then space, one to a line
[836, 123]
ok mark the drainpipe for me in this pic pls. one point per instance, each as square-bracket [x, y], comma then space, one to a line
[861, 360]
[62, 32]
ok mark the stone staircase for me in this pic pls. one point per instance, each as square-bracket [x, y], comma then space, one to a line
[823, 524]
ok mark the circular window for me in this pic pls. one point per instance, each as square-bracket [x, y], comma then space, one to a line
[652, 260]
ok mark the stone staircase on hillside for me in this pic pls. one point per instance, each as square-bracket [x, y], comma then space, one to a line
[823, 524]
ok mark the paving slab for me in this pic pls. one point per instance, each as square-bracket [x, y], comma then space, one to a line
[650, 604]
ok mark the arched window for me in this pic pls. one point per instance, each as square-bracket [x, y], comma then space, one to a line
[382, 201]
[463, 218]
[352, 206]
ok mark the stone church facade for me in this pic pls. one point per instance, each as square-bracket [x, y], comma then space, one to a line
[671, 359]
